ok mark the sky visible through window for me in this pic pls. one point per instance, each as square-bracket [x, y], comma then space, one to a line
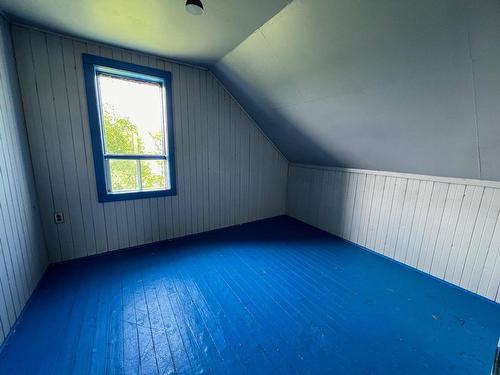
[138, 101]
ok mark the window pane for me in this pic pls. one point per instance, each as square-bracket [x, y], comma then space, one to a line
[133, 116]
[123, 175]
[153, 174]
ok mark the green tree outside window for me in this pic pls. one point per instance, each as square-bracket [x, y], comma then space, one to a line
[122, 137]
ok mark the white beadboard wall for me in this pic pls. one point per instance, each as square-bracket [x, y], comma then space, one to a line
[228, 172]
[447, 227]
[23, 258]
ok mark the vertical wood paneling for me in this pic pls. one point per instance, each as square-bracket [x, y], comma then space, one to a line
[402, 229]
[449, 228]
[402, 190]
[432, 226]
[386, 212]
[374, 220]
[465, 227]
[22, 251]
[456, 194]
[228, 172]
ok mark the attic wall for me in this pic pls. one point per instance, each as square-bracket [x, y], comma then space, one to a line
[405, 86]
[23, 258]
[446, 227]
[228, 172]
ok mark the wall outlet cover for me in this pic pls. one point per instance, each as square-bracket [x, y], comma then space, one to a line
[58, 217]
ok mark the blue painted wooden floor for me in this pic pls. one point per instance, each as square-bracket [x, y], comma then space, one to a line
[265, 298]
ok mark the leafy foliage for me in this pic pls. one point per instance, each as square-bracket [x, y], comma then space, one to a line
[122, 137]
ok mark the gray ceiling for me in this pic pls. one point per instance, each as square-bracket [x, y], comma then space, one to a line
[398, 85]
[401, 85]
[161, 27]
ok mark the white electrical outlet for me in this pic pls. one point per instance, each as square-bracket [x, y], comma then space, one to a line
[58, 217]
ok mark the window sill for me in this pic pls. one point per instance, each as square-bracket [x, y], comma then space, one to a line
[107, 197]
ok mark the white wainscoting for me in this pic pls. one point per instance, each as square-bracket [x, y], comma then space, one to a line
[22, 252]
[228, 172]
[447, 227]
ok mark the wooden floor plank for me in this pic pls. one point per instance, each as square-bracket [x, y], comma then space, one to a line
[131, 352]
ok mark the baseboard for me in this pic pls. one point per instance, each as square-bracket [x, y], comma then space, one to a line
[161, 243]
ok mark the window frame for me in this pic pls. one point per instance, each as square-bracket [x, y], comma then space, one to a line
[92, 67]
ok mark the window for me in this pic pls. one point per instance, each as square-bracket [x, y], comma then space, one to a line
[130, 114]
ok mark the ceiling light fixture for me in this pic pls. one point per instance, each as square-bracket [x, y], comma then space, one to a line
[195, 7]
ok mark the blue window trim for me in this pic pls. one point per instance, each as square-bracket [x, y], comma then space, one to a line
[91, 64]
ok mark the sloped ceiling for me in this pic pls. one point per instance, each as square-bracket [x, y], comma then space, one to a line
[398, 85]
[161, 27]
